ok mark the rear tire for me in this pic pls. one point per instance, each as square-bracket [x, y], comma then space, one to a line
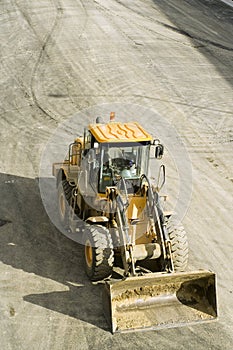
[179, 245]
[98, 253]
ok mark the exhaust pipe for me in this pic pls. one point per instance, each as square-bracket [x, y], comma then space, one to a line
[160, 300]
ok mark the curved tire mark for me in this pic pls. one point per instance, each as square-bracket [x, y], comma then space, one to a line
[40, 56]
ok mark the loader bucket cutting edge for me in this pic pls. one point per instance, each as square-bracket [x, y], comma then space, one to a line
[160, 300]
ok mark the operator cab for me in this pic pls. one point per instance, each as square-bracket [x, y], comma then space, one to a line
[122, 160]
[117, 151]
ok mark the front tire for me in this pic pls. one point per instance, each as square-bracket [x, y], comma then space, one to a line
[179, 245]
[98, 253]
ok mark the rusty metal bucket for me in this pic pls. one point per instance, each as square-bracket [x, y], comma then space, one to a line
[160, 300]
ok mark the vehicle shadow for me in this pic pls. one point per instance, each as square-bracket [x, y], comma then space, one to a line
[30, 242]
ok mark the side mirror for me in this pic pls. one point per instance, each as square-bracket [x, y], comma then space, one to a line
[159, 150]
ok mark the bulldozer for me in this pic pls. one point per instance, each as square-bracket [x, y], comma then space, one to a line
[131, 245]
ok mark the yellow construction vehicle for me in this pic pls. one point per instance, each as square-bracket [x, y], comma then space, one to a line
[104, 182]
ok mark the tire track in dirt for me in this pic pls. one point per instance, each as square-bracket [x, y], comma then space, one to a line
[126, 27]
[26, 90]
[175, 29]
[43, 51]
[102, 65]
[89, 79]
[48, 45]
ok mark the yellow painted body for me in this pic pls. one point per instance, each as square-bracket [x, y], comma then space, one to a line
[150, 301]
[136, 207]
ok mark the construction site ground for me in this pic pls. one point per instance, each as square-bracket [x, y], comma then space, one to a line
[64, 57]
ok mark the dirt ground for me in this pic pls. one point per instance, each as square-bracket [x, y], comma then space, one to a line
[61, 57]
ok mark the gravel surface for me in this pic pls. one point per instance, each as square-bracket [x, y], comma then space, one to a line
[62, 58]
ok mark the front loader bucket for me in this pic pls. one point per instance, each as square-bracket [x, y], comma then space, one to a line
[159, 300]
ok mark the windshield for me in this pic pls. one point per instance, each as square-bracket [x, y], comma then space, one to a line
[128, 161]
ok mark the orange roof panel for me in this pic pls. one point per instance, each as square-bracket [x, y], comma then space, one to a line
[119, 132]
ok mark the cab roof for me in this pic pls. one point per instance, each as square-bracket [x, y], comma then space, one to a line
[119, 132]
